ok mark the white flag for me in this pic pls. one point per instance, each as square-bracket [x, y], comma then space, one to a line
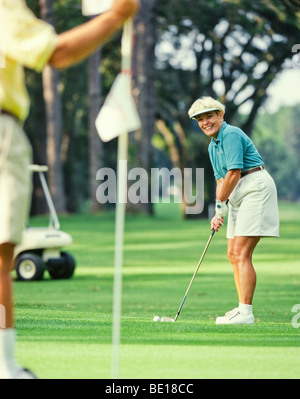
[94, 7]
[118, 114]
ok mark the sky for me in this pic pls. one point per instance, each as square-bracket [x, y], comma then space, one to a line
[284, 90]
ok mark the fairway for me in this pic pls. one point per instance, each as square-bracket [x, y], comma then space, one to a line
[65, 327]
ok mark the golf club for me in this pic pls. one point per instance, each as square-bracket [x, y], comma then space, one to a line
[169, 319]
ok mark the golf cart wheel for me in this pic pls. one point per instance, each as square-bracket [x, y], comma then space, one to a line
[66, 269]
[30, 267]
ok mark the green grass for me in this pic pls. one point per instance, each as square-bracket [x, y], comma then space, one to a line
[65, 327]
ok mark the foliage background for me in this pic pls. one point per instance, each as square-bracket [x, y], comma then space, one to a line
[231, 49]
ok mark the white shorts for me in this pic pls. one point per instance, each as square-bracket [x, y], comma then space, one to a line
[253, 208]
[15, 180]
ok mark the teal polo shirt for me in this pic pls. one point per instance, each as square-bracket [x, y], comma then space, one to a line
[232, 149]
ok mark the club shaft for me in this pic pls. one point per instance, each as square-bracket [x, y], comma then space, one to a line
[196, 271]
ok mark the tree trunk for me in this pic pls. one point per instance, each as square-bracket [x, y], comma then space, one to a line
[143, 76]
[95, 144]
[53, 122]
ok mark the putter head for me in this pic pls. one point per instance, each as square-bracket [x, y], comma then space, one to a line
[167, 320]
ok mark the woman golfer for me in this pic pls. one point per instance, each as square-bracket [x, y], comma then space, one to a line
[246, 190]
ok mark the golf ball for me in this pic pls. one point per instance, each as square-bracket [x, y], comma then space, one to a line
[156, 318]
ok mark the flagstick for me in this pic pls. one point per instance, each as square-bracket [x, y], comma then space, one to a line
[118, 261]
[120, 217]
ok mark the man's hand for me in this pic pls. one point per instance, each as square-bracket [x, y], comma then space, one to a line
[221, 208]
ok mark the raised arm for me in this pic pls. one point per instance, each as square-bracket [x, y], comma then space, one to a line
[78, 43]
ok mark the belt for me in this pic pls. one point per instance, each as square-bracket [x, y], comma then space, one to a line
[261, 167]
[4, 112]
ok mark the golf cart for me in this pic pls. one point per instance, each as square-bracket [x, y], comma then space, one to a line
[41, 247]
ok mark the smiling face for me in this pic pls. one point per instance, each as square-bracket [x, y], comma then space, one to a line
[210, 123]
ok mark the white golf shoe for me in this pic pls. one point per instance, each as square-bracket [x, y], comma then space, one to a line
[235, 317]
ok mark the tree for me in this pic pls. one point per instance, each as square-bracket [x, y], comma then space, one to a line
[231, 50]
[53, 121]
[69, 110]
[143, 74]
[277, 137]
[95, 144]
[182, 49]
[235, 50]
